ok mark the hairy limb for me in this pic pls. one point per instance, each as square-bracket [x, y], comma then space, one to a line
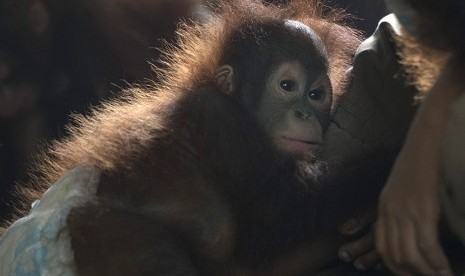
[108, 241]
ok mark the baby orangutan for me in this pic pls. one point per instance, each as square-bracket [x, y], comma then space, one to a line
[213, 171]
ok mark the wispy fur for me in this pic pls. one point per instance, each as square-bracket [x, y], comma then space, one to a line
[119, 131]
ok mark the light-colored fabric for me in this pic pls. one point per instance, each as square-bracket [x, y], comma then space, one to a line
[39, 243]
[453, 188]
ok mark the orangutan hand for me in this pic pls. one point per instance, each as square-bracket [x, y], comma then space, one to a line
[361, 251]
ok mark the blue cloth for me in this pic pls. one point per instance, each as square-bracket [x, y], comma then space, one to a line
[39, 243]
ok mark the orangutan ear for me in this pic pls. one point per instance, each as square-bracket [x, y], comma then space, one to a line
[224, 78]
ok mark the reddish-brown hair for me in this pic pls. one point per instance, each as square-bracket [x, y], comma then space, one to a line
[115, 134]
[440, 34]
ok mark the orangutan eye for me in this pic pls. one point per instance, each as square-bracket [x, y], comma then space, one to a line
[288, 85]
[316, 94]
